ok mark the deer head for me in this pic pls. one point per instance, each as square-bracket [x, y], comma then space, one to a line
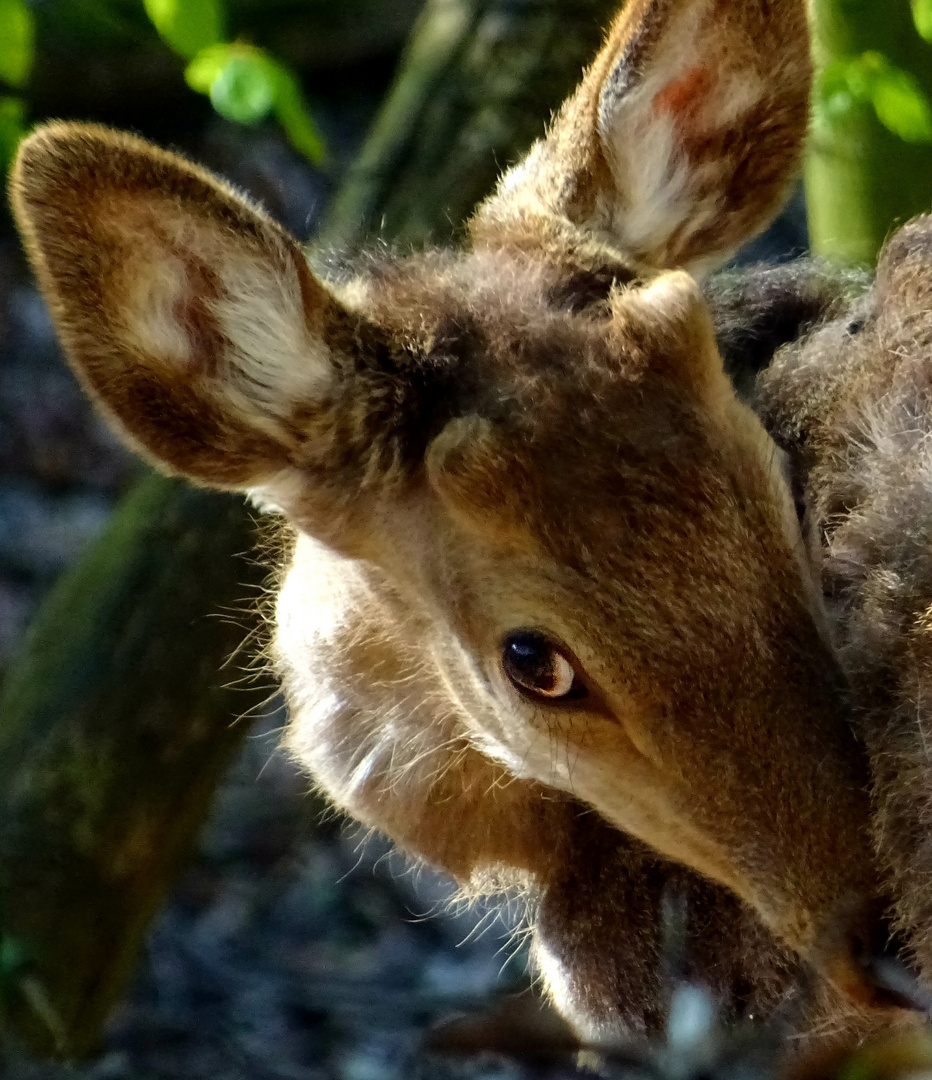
[540, 544]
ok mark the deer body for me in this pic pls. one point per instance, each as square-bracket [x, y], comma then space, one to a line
[853, 406]
[547, 564]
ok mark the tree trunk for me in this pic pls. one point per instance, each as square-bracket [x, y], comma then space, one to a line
[115, 724]
[861, 179]
[479, 83]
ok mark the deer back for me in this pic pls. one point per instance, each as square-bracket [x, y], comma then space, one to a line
[852, 405]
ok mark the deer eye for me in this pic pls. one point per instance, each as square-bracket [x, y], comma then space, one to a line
[538, 667]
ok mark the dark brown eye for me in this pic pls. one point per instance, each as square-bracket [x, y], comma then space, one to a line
[538, 667]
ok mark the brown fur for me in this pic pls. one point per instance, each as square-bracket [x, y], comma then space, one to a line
[853, 405]
[534, 433]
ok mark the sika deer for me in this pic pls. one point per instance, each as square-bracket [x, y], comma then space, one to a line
[546, 564]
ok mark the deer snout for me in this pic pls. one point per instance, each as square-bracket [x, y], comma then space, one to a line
[867, 963]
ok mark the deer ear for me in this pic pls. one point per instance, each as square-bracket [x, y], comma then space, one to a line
[682, 139]
[191, 316]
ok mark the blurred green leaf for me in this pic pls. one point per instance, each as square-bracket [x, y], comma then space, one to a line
[239, 79]
[294, 117]
[862, 73]
[244, 89]
[12, 128]
[188, 26]
[899, 101]
[833, 97]
[245, 84]
[922, 17]
[203, 70]
[17, 35]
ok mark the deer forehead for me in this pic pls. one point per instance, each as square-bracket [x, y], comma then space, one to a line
[510, 328]
[636, 565]
[551, 429]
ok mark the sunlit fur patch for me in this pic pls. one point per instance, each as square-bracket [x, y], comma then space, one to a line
[230, 317]
[261, 314]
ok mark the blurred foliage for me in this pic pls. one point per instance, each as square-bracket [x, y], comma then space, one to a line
[17, 50]
[12, 127]
[17, 33]
[870, 78]
[922, 17]
[188, 26]
[244, 82]
[869, 165]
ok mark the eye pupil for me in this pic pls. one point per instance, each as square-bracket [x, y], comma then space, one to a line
[533, 660]
[537, 666]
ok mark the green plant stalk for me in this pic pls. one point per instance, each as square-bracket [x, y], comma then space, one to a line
[862, 181]
[479, 83]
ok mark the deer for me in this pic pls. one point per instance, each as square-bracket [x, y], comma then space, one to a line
[549, 620]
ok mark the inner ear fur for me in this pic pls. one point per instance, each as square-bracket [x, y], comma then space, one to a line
[189, 314]
[679, 144]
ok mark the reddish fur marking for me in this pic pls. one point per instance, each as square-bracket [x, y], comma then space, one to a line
[208, 342]
[683, 97]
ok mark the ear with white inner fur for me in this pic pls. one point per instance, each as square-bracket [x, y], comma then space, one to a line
[191, 316]
[680, 143]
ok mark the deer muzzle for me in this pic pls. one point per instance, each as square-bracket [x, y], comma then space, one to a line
[867, 963]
